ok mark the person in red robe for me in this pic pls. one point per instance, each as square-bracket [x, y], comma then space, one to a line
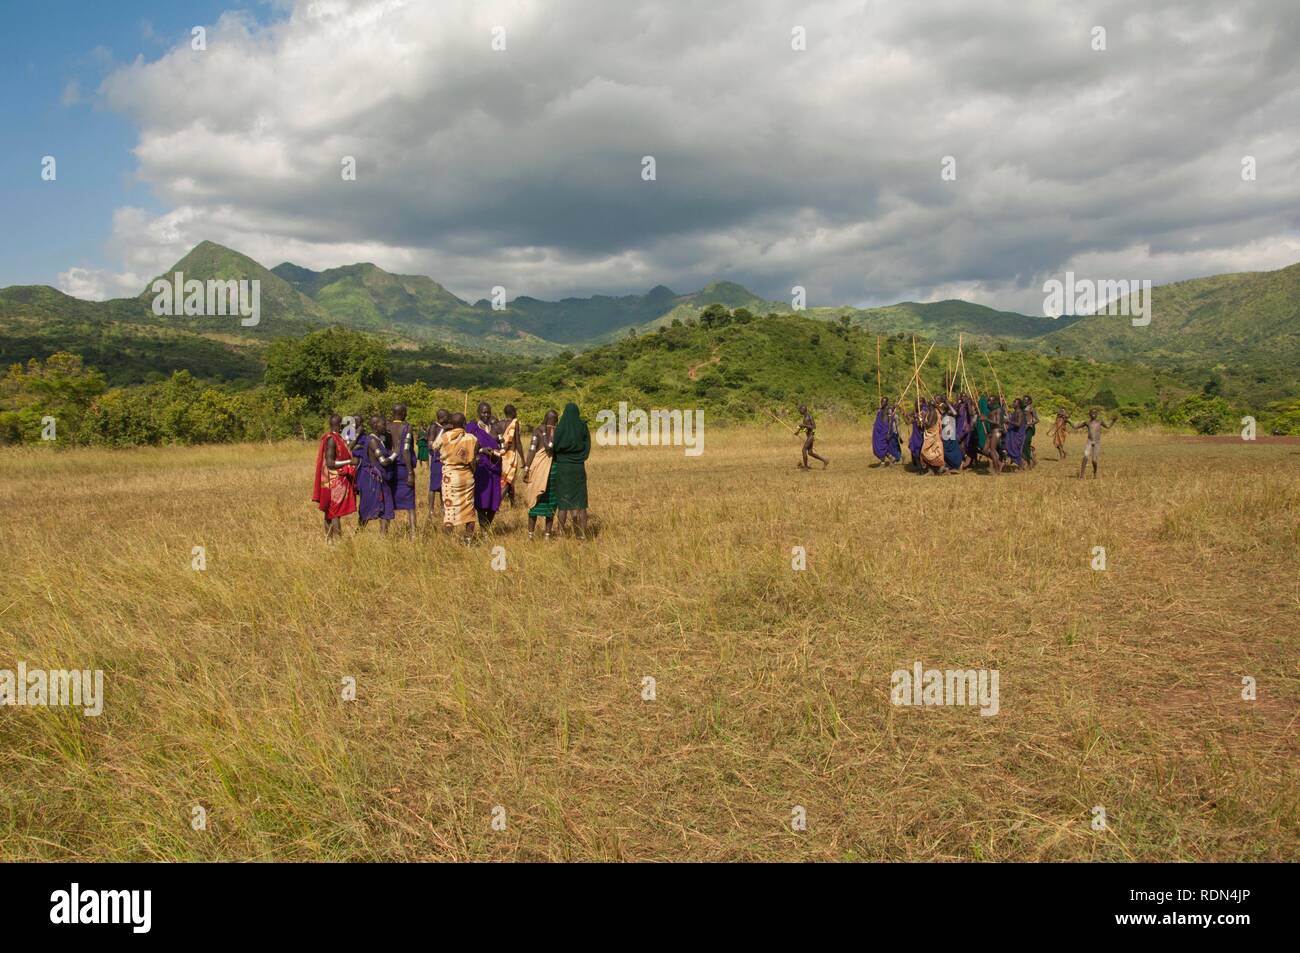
[334, 486]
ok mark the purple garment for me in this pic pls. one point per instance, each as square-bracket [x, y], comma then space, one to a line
[918, 436]
[487, 470]
[1015, 442]
[403, 493]
[376, 500]
[880, 435]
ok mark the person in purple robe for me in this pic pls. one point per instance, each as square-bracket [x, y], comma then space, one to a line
[487, 469]
[918, 432]
[880, 433]
[883, 441]
[375, 499]
[1016, 432]
[401, 475]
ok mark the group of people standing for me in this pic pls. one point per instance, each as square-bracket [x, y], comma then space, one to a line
[474, 466]
[949, 435]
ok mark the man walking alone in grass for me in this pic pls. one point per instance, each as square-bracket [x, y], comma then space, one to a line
[1092, 446]
[810, 427]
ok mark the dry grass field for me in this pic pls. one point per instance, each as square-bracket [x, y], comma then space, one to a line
[523, 688]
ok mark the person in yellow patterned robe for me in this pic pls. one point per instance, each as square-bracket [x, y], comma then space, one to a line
[932, 446]
[458, 451]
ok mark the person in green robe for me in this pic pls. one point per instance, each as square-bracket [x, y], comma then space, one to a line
[571, 447]
[981, 430]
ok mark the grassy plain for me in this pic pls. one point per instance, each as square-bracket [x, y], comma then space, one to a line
[522, 688]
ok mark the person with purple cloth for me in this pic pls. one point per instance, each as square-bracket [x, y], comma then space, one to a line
[435, 461]
[918, 432]
[487, 469]
[401, 475]
[1016, 432]
[884, 437]
[376, 500]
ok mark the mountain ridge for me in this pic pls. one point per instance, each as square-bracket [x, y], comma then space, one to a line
[1240, 330]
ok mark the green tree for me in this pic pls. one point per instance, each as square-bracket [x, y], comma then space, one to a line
[327, 364]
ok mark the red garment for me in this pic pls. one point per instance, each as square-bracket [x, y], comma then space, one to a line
[334, 491]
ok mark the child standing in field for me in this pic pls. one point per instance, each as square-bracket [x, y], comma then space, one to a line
[1060, 429]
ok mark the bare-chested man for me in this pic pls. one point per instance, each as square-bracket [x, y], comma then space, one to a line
[1029, 455]
[809, 426]
[993, 437]
[1092, 446]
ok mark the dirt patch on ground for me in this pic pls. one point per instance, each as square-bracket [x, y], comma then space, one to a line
[693, 373]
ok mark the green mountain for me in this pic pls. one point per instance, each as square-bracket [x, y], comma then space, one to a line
[121, 338]
[945, 321]
[1238, 332]
[1238, 335]
[284, 310]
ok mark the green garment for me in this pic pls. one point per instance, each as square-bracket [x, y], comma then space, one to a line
[571, 447]
[545, 505]
[423, 445]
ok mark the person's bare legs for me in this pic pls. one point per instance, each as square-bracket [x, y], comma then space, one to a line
[580, 523]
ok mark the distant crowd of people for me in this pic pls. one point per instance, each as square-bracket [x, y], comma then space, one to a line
[954, 434]
[474, 465]
[950, 435]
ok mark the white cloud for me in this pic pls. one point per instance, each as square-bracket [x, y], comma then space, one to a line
[98, 284]
[775, 167]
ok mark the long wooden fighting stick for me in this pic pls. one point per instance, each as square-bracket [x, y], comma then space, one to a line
[877, 370]
[916, 377]
[1001, 399]
[780, 421]
[961, 363]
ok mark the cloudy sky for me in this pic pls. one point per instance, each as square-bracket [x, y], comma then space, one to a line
[774, 166]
